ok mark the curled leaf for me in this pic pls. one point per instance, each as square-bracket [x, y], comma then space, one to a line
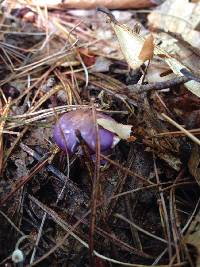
[131, 44]
[147, 50]
[123, 131]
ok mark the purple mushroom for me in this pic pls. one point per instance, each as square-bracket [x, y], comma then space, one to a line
[64, 133]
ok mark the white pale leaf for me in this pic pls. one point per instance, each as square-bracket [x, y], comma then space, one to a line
[131, 44]
[178, 18]
[176, 66]
[123, 131]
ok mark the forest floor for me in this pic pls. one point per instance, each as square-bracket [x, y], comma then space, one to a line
[136, 205]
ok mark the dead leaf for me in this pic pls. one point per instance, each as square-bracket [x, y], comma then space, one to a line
[193, 237]
[178, 18]
[183, 21]
[88, 4]
[87, 57]
[159, 72]
[147, 50]
[193, 163]
[102, 64]
[176, 67]
[123, 131]
[132, 43]
[131, 139]
[170, 159]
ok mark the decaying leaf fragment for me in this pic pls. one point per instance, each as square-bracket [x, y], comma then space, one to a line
[123, 131]
[193, 236]
[146, 52]
[193, 163]
[91, 4]
[176, 67]
[178, 18]
[131, 45]
[137, 49]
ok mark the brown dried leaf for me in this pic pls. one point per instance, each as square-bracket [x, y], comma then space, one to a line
[91, 4]
[193, 163]
[147, 50]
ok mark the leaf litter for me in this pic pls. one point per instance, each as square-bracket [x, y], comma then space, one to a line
[135, 205]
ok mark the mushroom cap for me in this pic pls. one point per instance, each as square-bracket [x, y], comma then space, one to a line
[64, 133]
